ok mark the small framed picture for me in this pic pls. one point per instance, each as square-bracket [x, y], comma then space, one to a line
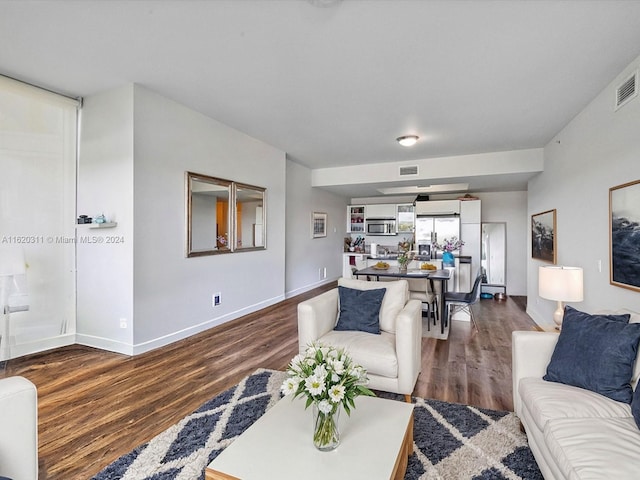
[318, 224]
[624, 235]
[543, 236]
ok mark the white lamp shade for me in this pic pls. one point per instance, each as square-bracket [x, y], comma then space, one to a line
[11, 260]
[560, 283]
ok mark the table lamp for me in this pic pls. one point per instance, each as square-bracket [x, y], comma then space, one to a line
[560, 284]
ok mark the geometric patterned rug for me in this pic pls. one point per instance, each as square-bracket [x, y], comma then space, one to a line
[451, 441]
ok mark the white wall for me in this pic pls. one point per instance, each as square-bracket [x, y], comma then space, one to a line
[306, 256]
[597, 150]
[136, 147]
[105, 185]
[510, 207]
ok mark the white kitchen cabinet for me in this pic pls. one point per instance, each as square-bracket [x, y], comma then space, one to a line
[405, 218]
[355, 219]
[470, 211]
[470, 234]
[381, 210]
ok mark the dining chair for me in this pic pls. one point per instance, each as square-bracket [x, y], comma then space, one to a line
[423, 289]
[462, 301]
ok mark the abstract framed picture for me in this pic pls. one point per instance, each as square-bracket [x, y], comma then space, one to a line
[318, 224]
[543, 236]
[624, 235]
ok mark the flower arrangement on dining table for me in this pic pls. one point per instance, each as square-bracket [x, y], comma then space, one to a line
[449, 245]
[404, 258]
[329, 379]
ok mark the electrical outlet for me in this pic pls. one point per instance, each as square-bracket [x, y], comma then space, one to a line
[324, 272]
[123, 323]
[216, 299]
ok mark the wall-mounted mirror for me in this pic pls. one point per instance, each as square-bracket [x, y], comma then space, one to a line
[494, 253]
[223, 216]
[250, 224]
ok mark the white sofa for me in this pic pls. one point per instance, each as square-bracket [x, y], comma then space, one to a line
[392, 358]
[18, 429]
[573, 433]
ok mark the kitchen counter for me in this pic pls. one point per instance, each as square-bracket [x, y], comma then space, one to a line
[419, 258]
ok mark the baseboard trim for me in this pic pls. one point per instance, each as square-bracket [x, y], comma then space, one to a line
[143, 347]
[306, 288]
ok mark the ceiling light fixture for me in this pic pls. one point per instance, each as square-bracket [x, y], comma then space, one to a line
[407, 140]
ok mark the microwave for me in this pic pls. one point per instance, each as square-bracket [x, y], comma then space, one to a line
[380, 226]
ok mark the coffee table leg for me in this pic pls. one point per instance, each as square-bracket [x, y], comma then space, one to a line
[406, 449]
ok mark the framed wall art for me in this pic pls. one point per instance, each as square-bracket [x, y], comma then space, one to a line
[624, 235]
[543, 236]
[318, 224]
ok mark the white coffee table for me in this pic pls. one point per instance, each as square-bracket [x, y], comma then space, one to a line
[375, 443]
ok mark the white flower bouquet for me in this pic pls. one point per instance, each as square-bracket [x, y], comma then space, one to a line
[329, 379]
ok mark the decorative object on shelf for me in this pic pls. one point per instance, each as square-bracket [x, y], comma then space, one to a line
[329, 379]
[104, 225]
[560, 284]
[624, 235]
[100, 219]
[404, 258]
[318, 224]
[83, 219]
[467, 197]
[543, 236]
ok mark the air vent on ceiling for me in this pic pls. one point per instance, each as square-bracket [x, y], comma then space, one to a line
[627, 90]
[411, 170]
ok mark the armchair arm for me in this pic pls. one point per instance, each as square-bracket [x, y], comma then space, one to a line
[18, 429]
[316, 317]
[409, 345]
[530, 352]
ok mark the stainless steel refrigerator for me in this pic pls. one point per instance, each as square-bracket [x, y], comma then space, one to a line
[435, 229]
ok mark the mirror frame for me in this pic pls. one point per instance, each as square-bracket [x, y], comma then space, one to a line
[232, 215]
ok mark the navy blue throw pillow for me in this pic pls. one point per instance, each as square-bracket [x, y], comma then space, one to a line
[635, 405]
[360, 309]
[596, 352]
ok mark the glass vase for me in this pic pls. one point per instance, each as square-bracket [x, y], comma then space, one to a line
[326, 434]
[448, 259]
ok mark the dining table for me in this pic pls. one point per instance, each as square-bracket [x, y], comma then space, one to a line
[442, 276]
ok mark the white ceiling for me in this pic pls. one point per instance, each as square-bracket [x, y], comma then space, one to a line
[335, 85]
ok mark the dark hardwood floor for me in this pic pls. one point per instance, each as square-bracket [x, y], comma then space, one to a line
[95, 406]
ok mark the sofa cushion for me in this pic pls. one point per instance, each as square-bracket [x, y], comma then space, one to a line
[595, 449]
[393, 302]
[360, 309]
[375, 353]
[550, 400]
[596, 352]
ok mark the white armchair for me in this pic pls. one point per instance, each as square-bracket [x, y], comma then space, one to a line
[18, 429]
[392, 358]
